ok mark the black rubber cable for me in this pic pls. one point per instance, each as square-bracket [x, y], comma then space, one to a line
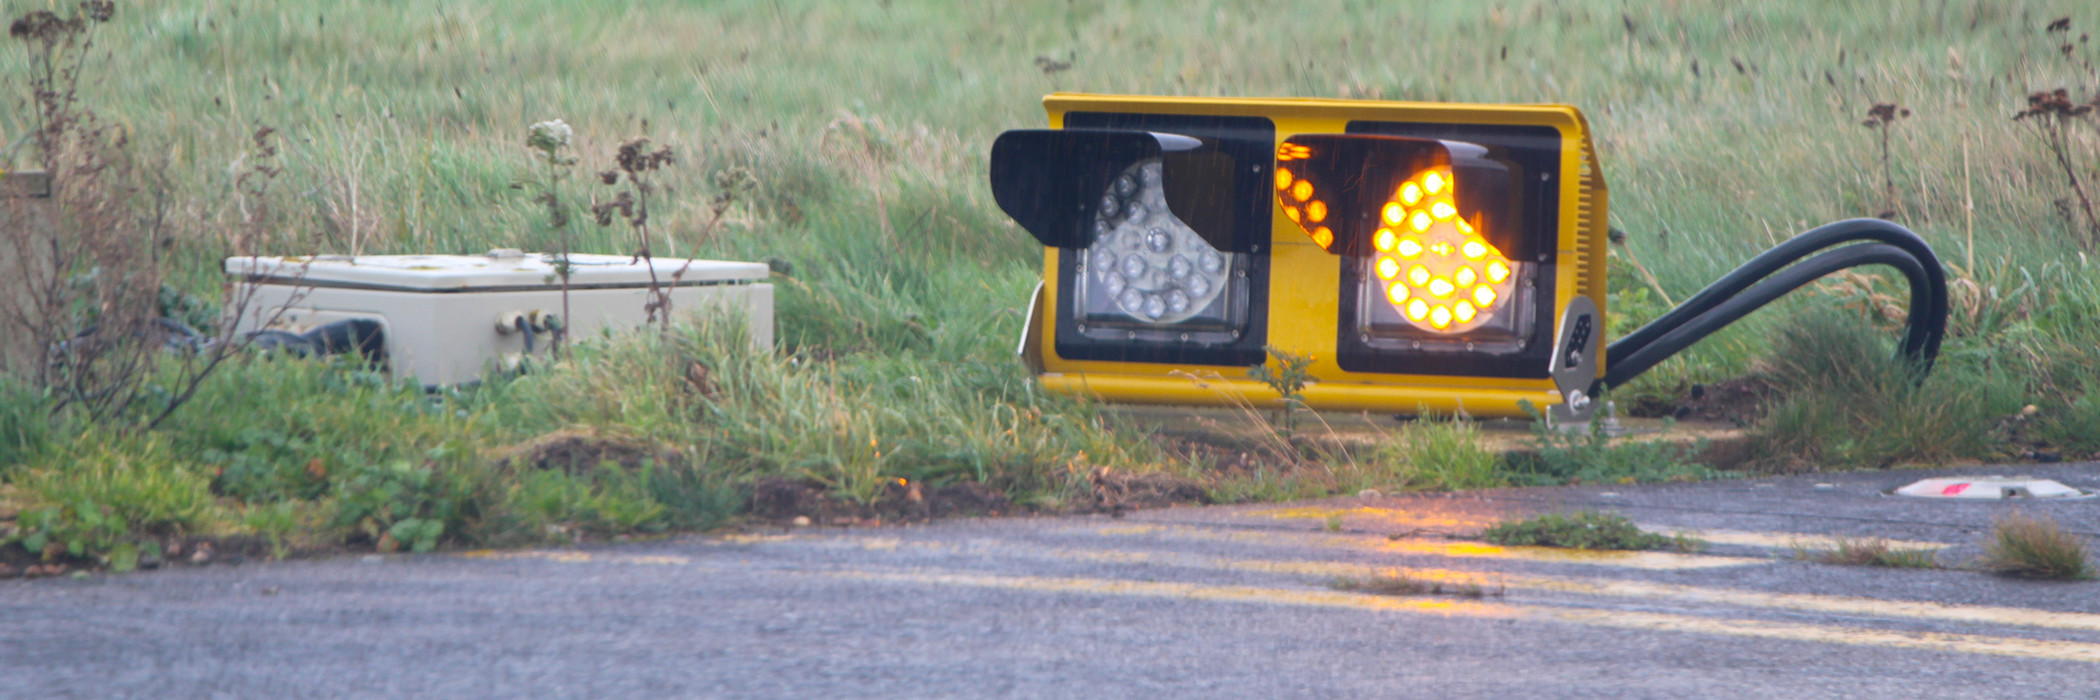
[1928, 322]
[1628, 357]
[525, 327]
[1716, 315]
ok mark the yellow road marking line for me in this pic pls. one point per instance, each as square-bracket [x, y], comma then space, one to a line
[750, 539]
[1805, 602]
[1661, 622]
[1790, 540]
[1654, 561]
[1395, 516]
[1419, 519]
[574, 557]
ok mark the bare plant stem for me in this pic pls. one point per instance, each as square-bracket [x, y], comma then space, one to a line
[95, 275]
[1968, 206]
[2055, 139]
[660, 306]
[565, 265]
[1888, 173]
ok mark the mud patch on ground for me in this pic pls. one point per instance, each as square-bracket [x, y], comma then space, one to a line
[1740, 402]
[1114, 491]
[781, 500]
[579, 451]
[232, 550]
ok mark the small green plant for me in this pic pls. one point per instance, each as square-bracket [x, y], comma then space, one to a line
[2074, 426]
[1399, 584]
[1592, 456]
[607, 500]
[26, 423]
[398, 504]
[1585, 530]
[1287, 378]
[1446, 455]
[303, 424]
[1868, 551]
[1429, 453]
[2024, 546]
[277, 522]
[101, 497]
[1845, 399]
[1334, 523]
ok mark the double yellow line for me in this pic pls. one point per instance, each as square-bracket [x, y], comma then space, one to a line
[1658, 622]
[1457, 549]
[1540, 611]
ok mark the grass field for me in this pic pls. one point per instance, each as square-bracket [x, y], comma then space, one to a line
[1724, 127]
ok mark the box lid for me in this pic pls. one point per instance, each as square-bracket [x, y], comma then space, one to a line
[501, 269]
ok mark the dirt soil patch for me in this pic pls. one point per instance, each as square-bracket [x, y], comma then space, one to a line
[1115, 492]
[579, 451]
[781, 500]
[1739, 402]
[16, 562]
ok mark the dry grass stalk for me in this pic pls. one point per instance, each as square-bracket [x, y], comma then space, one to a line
[1869, 551]
[1400, 584]
[2024, 546]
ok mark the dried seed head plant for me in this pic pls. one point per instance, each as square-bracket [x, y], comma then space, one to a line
[89, 267]
[91, 273]
[2051, 113]
[634, 171]
[1881, 117]
[548, 142]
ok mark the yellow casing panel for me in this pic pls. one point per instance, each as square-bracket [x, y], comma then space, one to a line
[1303, 279]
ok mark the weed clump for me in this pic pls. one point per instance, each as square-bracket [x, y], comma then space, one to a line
[1846, 400]
[1593, 457]
[1868, 551]
[25, 423]
[2074, 426]
[1437, 454]
[1398, 584]
[2024, 546]
[1585, 530]
[1288, 380]
[107, 498]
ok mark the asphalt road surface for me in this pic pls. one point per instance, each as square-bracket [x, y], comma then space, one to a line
[1186, 602]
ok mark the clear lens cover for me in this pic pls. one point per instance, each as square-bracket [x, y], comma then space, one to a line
[1149, 276]
[1440, 315]
[1431, 281]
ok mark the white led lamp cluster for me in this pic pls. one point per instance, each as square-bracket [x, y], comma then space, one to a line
[1147, 273]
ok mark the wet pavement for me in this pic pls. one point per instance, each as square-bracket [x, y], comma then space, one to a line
[1211, 602]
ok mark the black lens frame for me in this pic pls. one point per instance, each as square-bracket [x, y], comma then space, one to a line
[1250, 142]
[1535, 151]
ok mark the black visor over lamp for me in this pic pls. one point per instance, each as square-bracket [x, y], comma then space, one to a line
[1353, 174]
[1157, 226]
[1048, 180]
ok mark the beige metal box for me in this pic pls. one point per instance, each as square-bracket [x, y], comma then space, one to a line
[449, 317]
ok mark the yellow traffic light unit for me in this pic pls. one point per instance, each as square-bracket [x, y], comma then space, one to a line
[1428, 257]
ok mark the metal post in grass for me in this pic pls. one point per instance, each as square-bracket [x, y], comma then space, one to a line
[25, 228]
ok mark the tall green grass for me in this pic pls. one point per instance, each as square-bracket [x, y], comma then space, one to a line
[1723, 127]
